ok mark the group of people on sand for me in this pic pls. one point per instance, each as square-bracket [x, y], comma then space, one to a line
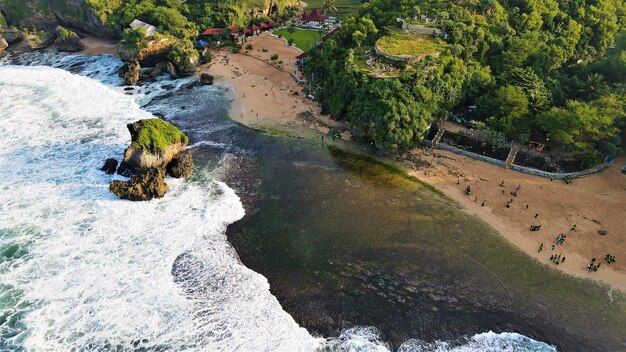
[560, 238]
[593, 266]
[609, 258]
[556, 259]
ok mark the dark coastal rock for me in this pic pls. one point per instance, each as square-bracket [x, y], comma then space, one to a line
[80, 14]
[181, 165]
[171, 69]
[68, 40]
[126, 170]
[130, 72]
[12, 36]
[206, 78]
[109, 167]
[41, 41]
[145, 186]
[156, 51]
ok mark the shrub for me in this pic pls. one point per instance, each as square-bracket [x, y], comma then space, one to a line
[274, 57]
[590, 159]
[249, 47]
[182, 56]
[234, 50]
[134, 38]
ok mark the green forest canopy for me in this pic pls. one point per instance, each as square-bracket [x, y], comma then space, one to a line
[531, 66]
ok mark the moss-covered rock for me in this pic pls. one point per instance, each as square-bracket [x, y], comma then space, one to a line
[154, 144]
[41, 39]
[156, 148]
[68, 40]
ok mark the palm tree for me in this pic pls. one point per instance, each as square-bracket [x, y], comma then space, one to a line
[329, 6]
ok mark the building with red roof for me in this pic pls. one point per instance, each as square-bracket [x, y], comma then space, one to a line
[265, 26]
[315, 17]
[255, 29]
[213, 31]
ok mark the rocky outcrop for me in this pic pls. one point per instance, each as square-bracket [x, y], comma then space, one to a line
[147, 185]
[172, 70]
[156, 51]
[181, 165]
[3, 44]
[79, 14]
[156, 148]
[41, 41]
[68, 40]
[109, 167]
[206, 78]
[129, 72]
[154, 144]
[12, 35]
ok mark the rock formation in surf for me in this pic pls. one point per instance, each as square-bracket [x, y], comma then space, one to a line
[157, 149]
[68, 40]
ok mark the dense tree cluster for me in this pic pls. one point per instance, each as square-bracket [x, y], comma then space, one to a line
[553, 67]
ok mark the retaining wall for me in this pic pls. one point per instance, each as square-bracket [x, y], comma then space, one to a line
[523, 169]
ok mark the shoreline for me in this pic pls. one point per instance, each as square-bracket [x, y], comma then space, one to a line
[260, 111]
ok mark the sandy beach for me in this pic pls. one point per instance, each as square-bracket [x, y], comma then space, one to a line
[267, 98]
[96, 46]
[265, 90]
[593, 203]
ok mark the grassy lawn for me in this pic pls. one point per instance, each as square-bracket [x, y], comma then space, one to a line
[344, 7]
[401, 43]
[302, 38]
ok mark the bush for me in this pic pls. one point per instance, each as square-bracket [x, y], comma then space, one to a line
[590, 159]
[184, 56]
[274, 57]
[134, 38]
[290, 42]
[234, 50]
[249, 47]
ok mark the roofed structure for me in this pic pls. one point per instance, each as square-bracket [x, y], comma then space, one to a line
[314, 16]
[150, 29]
[213, 31]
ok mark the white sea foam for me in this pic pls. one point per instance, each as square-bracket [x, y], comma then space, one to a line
[98, 273]
[84, 270]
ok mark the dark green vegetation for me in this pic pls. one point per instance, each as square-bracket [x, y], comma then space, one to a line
[533, 67]
[173, 18]
[156, 134]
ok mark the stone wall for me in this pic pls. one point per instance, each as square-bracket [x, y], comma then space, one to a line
[523, 169]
